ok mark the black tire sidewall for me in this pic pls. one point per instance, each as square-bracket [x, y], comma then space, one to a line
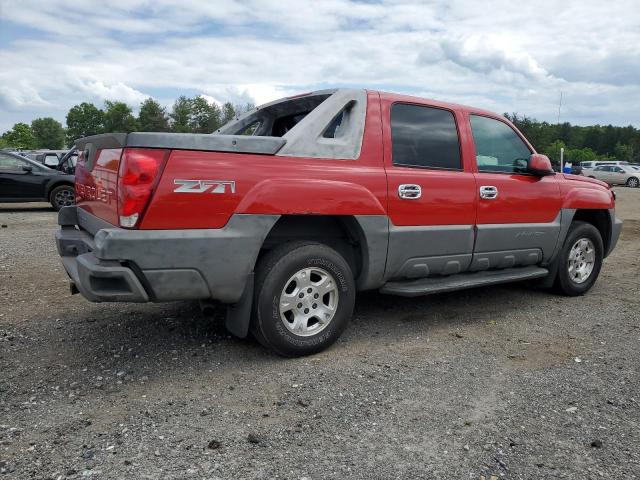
[271, 281]
[577, 231]
[52, 195]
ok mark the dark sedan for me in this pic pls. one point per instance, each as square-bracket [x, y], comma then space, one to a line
[24, 180]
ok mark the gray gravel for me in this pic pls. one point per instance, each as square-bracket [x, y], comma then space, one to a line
[508, 381]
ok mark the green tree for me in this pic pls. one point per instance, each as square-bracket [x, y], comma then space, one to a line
[623, 152]
[181, 115]
[118, 117]
[48, 133]
[84, 120]
[553, 151]
[20, 136]
[575, 155]
[205, 116]
[152, 117]
[228, 112]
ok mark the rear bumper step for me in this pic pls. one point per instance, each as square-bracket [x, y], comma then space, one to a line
[428, 286]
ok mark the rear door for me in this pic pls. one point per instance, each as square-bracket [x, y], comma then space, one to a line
[618, 175]
[431, 191]
[518, 219]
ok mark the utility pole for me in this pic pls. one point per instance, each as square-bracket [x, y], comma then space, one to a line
[562, 149]
[559, 107]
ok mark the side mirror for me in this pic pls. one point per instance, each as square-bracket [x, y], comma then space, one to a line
[539, 165]
[27, 168]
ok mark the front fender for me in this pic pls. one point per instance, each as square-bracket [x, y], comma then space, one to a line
[587, 197]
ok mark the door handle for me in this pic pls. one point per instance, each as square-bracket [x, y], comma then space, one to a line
[488, 192]
[409, 191]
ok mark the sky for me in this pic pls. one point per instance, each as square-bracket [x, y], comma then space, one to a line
[504, 56]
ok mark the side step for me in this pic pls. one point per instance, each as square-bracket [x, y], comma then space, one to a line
[427, 286]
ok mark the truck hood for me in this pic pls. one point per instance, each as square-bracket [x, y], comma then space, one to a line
[580, 178]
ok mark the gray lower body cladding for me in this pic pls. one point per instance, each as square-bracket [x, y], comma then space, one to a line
[107, 263]
[418, 251]
[161, 265]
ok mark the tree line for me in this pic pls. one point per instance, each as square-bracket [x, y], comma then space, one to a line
[187, 115]
[596, 142]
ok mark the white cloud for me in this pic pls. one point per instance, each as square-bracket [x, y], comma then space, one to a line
[503, 56]
[116, 91]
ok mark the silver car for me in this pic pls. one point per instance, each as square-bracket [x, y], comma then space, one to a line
[617, 175]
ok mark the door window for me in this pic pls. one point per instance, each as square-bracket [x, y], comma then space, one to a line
[9, 164]
[498, 146]
[424, 137]
[51, 160]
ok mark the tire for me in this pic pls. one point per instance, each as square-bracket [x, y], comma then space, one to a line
[633, 182]
[62, 196]
[280, 321]
[572, 277]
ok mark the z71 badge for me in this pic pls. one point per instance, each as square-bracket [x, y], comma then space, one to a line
[204, 186]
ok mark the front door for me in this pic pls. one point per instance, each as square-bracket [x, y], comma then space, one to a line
[519, 214]
[431, 195]
[15, 182]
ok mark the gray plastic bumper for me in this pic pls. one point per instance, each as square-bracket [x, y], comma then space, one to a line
[111, 264]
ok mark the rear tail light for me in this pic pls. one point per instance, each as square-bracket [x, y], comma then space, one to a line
[139, 173]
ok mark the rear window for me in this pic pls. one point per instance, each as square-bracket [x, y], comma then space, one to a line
[424, 137]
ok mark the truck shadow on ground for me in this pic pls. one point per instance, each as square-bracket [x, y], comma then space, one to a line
[176, 338]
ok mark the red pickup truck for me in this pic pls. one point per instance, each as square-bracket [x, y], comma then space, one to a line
[285, 212]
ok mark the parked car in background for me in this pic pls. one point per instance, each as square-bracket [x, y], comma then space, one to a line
[617, 175]
[50, 158]
[68, 162]
[576, 169]
[588, 167]
[25, 180]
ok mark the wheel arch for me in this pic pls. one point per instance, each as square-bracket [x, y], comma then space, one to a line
[360, 239]
[57, 184]
[599, 218]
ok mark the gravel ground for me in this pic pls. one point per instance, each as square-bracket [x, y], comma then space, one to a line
[499, 382]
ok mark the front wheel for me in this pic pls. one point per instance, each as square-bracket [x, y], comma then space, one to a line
[62, 196]
[633, 182]
[304, 298]
[580, 260]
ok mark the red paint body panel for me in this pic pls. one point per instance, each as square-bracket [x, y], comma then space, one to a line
[579, 194]
[272, 184]
[448, 197]
[521, 199]
[268, 184]
[97, 190]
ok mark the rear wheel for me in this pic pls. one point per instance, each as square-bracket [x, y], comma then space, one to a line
[304, 298]
[62, 196]
[580, 260]
[633, 182]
